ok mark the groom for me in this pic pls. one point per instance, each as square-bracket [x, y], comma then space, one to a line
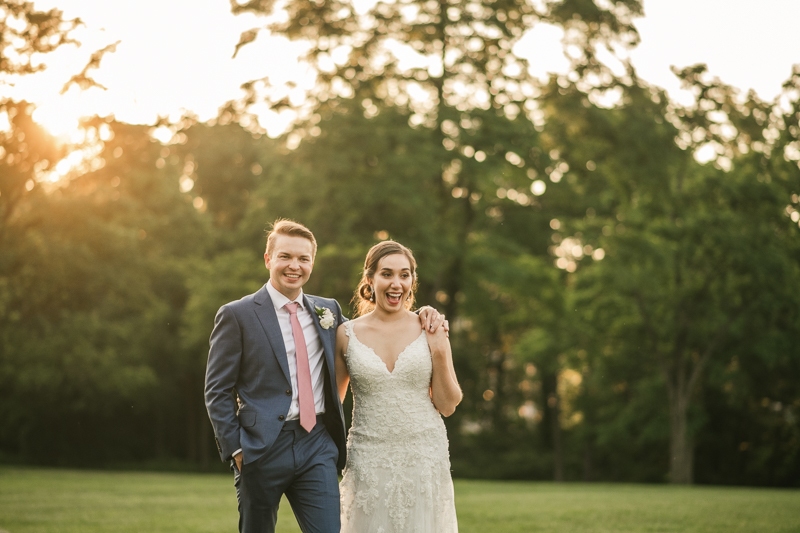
[270, 391]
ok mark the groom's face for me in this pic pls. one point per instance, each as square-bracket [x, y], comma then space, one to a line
[290, 264]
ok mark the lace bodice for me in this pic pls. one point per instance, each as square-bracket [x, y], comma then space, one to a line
[391, 405]
[397, 477]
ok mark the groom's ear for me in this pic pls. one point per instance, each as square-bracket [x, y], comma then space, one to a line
[266, 260]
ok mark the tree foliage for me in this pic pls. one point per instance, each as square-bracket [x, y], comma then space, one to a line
[622, 281]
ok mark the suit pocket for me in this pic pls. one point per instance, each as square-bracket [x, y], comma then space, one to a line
[247, 418]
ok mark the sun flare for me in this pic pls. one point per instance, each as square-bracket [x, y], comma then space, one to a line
[60, 121]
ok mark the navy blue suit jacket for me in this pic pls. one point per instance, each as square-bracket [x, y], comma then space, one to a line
[247, 358]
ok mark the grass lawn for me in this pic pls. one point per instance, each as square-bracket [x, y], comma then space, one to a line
[69, 501]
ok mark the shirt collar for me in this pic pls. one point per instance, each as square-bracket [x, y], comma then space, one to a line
[279, 300]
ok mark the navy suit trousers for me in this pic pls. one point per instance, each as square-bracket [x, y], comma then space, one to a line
[301, 465]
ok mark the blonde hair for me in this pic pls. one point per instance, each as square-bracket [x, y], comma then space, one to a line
[364, 291]
[290, 228]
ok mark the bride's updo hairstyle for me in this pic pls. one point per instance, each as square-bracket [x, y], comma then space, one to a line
[364, 297]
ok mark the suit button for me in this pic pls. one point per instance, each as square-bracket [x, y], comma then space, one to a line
[281, 417]
[288, 392]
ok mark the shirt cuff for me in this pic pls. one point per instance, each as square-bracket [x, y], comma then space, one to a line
[236, 452]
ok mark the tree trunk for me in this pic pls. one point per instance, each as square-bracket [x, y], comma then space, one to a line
[206, 434]
[160, 429]
[192, 434]
[550, 390]
[558, 441]
[680, 441]
[587, 462]
[456, 271]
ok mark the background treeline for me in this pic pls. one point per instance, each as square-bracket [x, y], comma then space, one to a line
[619, 310]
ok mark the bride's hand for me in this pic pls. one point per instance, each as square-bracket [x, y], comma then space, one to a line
[438, 340]
[431, 320]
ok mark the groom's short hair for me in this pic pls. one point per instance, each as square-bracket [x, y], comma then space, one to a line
[283, 226]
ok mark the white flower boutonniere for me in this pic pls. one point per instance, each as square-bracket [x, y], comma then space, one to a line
[326, 319]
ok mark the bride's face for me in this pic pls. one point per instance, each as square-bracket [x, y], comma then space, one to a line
[392, 282]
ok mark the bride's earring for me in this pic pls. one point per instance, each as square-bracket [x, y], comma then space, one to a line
[371, 294]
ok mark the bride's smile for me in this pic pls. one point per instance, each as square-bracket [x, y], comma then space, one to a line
[393, 283]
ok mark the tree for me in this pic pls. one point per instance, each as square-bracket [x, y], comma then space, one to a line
[473, 87]
[26, 150]
[27, 32]
[693, 252]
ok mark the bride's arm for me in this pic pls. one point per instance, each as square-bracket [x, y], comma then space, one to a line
[445, 391]
[342, 375]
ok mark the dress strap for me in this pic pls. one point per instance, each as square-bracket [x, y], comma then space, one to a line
[348, 330]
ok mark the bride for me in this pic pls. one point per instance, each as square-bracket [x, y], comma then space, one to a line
[397, 476]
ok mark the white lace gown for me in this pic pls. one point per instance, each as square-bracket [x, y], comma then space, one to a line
[397, 476]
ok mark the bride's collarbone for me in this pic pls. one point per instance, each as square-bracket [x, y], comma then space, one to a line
[388, 341]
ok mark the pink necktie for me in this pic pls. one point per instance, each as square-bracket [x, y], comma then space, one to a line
[305, 394]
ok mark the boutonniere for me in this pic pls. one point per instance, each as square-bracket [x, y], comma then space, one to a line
[326, 319]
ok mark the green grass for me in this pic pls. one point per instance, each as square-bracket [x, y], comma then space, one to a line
[69, 501]
[605, 508]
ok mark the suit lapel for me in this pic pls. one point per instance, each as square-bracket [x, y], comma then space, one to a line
[265, 311]
[328, 341]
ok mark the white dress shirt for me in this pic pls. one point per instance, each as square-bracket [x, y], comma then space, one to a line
[316, 354]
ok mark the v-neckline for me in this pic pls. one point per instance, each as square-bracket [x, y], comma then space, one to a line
[378, 357]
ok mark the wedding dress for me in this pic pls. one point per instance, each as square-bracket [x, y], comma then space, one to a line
[397, 476]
